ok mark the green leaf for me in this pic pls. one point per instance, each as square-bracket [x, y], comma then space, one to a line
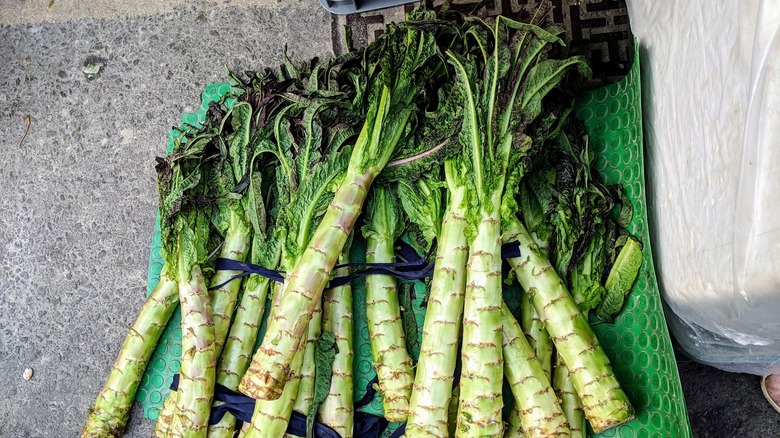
[288, 70]
[192, 237]
[538, 32]
[340, 135]
[382, 216]
[621, 280]
[255, 204]
[307, 145]
[187, 251]
[542, 78]
[527, 51]
[626, 209]
[433, 139]
[221, 183]
[586, 288]
[312, 83]
[533, 214]
[266, 251]
[301, 211]
[471, 133]
[238, 140]
[310, 152]
[421, 201]
[325, 350]
[401, 64]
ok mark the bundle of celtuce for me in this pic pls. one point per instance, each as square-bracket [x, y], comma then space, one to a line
[455, 132]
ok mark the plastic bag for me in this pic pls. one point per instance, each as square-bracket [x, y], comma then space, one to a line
[711, 86]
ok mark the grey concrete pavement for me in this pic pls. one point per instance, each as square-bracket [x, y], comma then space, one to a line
[79, 196]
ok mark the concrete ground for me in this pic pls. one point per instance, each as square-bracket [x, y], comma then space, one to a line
[79, 192]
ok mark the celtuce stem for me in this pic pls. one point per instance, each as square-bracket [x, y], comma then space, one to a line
[198, 362]
[604, 402]
[570, 402]
[430, 401]
[239, 345]
[271, 417]
[337, 410]
[514, 428]
[536, 334]
[165, 418]
[270, 367]
[109, 415]
[305, 395]
[235, 248]
[482, 375]
[224, 298]
[385, 329]
[536, 402]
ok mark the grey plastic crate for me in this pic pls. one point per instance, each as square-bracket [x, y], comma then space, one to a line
[353, 6]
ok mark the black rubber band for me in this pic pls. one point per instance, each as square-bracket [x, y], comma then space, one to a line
[242, 407]
[413, 267]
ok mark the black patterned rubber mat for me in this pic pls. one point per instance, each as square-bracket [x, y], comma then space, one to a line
[597, 29]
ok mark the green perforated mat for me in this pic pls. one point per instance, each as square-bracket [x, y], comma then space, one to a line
[637, 343]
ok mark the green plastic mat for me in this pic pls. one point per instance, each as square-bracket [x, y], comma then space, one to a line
[637, 344]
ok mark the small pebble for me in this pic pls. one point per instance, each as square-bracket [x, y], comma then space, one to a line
[27, 374]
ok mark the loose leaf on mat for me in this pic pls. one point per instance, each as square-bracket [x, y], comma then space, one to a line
[621, 280]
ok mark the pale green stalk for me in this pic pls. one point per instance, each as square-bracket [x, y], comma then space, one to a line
[536, 334]
[604, 402]
[391, 360]
[391, 107]
[199, 361]
[224, 299]
[271, 417]
[383, 314]
[482, 357]
[570, 402]
[337, 411]
[235, 248]
[532, 324]
[239, 346]
[536, 402]
[109, 415]
[165, 417]
[429, 405]
[306, 387]
[515, 427]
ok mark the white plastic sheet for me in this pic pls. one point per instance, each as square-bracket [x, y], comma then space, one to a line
[711, 90]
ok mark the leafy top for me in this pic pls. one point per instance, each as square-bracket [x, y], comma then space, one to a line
[503, 78]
